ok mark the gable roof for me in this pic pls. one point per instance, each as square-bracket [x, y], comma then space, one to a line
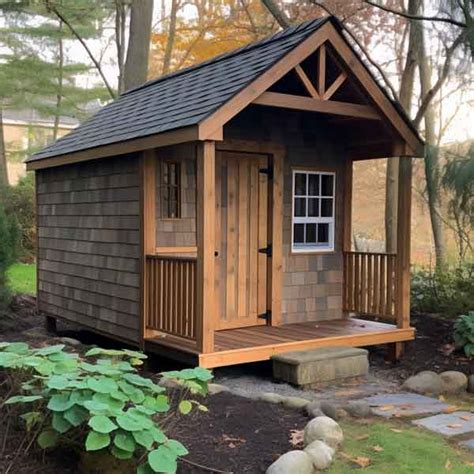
[182, 98]
[188, 97]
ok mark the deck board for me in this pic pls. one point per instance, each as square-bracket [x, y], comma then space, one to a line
[256, 343]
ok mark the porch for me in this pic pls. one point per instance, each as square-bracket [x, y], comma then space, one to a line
[370, 290]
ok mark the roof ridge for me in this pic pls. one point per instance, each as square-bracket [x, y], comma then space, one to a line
[229, 54]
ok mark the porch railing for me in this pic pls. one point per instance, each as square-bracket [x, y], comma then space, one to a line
[171, 295]
[370, 284]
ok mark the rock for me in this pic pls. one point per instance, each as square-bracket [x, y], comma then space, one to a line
[358, 409]
[215, 388]
[323, 429]
[168, 383]
[329, 410]
[271, 397]
[470, 384]
[320, 453]
[424, 382]
[69, 341]
[295, 402]
[453, 381]
[292, 462]
[313, 409]
[35, 332]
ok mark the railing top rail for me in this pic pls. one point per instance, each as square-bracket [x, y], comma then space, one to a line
[383, 254]
[171, 257]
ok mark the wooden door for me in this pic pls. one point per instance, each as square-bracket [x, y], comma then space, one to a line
[241, 231]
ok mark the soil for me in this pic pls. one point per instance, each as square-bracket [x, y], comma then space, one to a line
[237, 434]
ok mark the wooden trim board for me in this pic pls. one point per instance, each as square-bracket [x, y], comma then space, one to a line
[259, 353]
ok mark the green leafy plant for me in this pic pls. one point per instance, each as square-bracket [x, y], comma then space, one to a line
[99, 402]
[448, 292]
[464, 333]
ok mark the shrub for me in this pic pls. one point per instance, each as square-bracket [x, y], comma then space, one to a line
[447, 292]
[8, 251]
[464, 333]
[99, 405]
[20, 202]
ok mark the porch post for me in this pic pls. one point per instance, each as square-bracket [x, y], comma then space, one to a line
[148, 229]
[347, 229]
[206, 215]
[402, 301]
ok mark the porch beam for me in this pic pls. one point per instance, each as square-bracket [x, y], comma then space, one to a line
[335, 86]
[402, 302]
[322, 70]
[306, 82]
[206, 232]
[288, 101]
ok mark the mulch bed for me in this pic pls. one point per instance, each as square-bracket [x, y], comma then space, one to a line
[431, 350]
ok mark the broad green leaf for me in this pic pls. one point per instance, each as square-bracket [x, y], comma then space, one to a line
[185, 407]
[102, 384]
[202, 374]
[17, 348]
[45, 368]
[96, 408]
[66, 367]
[128, 423]
[60, 402]
[76, 415]
[121, 453]
[176, 447]
[144, 469]
[137, 380]
[162, 404]
[44, 351]
[23, 399]
[60, 423]
[47, 438]
[162, 460]
[135, 354]
[102, 424]
[106, 399]
[145, 438]
[96, 441]
[145, 421]
[158, 435]
[134, 393]
[117, 395]
[125, 442]
[100, 351]
[57, 382]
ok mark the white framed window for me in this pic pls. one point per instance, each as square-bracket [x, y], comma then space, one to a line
[312, 228]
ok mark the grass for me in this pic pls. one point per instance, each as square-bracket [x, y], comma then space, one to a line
[398, 448]
[22, 278]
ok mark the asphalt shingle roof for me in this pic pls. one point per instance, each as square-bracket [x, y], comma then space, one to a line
[183, 98]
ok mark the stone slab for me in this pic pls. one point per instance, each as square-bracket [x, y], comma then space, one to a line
[449, 424]
[468, 444]
[320, 365]
[405, 404]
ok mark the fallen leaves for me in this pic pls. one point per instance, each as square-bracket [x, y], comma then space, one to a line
[377, 448]
[361, 461]
[466, 417]
[232, 442]
[296, 437]
[362, 437]
[451, 409]
[386, 407]
[395, 430]
[449, 465]
[453, 426]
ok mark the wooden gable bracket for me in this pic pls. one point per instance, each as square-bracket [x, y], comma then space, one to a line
[319, 100]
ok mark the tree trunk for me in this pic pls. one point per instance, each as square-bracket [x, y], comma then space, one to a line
[432, 167]
[59, 94]
[171, 36]
[405, 97]
[279, 15]
[136, 64]
[120, 22]
[3, 156]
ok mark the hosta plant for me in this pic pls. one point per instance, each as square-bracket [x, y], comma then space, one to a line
[99, 402]
[464, 333]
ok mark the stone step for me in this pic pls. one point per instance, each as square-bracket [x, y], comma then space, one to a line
[449, 424]
[326, 364]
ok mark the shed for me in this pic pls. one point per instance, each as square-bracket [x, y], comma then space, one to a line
[206, 215]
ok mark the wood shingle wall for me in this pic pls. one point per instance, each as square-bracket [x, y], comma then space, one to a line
[312, 283]
[89, 244]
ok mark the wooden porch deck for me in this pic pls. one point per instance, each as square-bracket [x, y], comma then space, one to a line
[252, 344]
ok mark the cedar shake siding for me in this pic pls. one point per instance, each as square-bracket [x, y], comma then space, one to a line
[312, 283]
[89, 244]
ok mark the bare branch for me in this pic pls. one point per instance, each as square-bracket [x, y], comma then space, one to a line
[416, 17]
[426, 100]
[97, 65]
[279, 15]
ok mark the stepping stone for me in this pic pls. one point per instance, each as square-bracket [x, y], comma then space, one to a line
[449, 424]
[324, 364]
[469, 444]
[405, 404]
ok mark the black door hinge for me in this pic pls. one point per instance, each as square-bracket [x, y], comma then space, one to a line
[266, 315]
[268, 171]
[267, 251]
